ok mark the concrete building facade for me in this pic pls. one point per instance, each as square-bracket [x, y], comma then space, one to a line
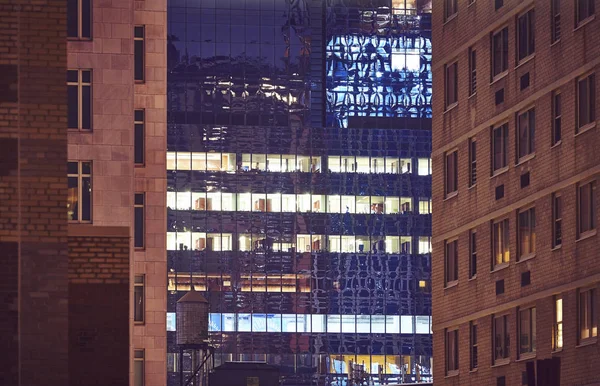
[515, 169]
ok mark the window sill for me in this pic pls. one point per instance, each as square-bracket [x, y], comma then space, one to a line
[78, 39]
[450, 107]
[556, 144]
[525, 60]
[473, 371]
[501, 362]
[526, 357]
[452, 373]
[472, 96]
[499, 267]
[137, 323]
[75, 130]
[498, 172]
[557, 351]
[139, 249]
[586, 235]
[585, 128]
[472, 186]
[525, 159]
[137, 81]
[499, 77]
[452, 284]
[556, 247]
[450, 18]
[139, 165]
[588, 342]
[554, 43]
[525, 258]
[584, 22]
[451, 195]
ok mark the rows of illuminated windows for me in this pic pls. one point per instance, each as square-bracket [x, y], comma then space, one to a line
[230, 162]
[277, 202]
[314, 323]
[245, 242]
[249, 282]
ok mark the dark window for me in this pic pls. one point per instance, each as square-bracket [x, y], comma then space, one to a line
[500, 240]
[79, 94]
[138, 298]
[525, 133]
[472, 71]
[556, 220]
[138, 368]
[79, 19]
[556, 117]
[555, 22]
[585, 9]
[451, 351]
[588, 320]
[139, 220]
[586, 214]
[526, 233]
[527, 331]
[525, 35]
[498, 4]
[472, 162]
[139, 137]
[557, 340]
[500, 52]
[451, 172]
[139, 52]
[79, 199]
[451, 84]
[586, 101]
[501, 338]
[474, 345]
[472, 254]
[451, 261]
[499, 147]
[450, 8]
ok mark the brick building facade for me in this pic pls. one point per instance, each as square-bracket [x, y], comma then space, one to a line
[82, 101]
[515, 170]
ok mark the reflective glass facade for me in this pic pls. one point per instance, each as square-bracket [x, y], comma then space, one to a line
[299, 183]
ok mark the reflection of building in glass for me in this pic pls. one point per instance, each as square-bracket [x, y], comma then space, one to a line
[299, 183]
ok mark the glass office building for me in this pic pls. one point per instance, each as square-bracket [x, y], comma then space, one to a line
[299, 187]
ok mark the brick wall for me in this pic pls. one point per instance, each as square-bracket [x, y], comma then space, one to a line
[552, 169]
[33, 225]
[98, 310]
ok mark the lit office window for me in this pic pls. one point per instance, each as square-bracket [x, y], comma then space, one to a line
[79, 199]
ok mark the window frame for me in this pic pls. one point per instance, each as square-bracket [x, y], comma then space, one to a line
[79, 12]
[502, 33]
[80, 176]
[504, 340]
[141, 39]
[80, 84]
[530, 214]
[590, 119]
[472, 254]
[473, 346]
[555, 21]
[451, 173]
[591, 11]
[590, 301]
[455, 351]
[591, 226]
[141, 126]
[450, 256]
[532, 330]
[139, 355]
[139, 282]
[557, 325]
[556, 117]
[451, 85]
[503, 225]
[472, 162]
[529, 137]
[503, 127]
[450, 9]
[556, 220]
[137, 206]
[472, 71]
[529, 30]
